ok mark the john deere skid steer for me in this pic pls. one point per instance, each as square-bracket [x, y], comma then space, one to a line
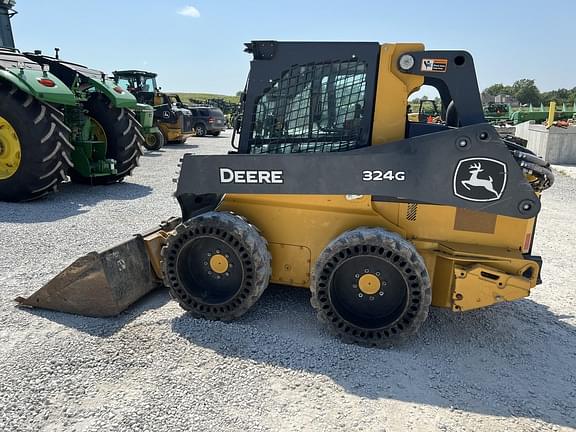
[332, 189]
[59, 119]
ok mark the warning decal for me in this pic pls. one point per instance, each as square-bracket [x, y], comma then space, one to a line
[434, 65]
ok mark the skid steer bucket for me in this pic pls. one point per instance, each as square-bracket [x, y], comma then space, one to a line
[105, 283]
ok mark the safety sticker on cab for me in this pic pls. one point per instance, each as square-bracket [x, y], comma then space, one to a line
[434, 65]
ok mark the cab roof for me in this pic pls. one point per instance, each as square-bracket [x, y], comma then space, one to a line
[135, 72]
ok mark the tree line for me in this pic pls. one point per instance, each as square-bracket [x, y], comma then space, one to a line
[526, 92]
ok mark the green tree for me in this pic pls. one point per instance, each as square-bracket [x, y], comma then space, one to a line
[526, 92]
[560, 96]
[498, 89]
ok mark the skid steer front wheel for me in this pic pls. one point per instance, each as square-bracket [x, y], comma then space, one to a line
[216, 266]
[371, 287]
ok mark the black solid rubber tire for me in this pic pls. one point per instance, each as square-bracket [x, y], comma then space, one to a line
[123, 137]
[252, 250]
[44, 144]
[406, 260]
[200, 130]
[157, 144]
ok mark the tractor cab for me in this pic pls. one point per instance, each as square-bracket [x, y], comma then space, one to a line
[142, 85]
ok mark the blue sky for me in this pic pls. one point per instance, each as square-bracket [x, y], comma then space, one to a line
[202, 52]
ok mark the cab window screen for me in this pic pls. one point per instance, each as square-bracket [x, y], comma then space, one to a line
[312, 108]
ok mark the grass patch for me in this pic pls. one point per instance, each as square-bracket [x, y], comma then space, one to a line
[185, 97]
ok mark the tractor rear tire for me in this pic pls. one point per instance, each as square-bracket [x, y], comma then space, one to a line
[41, 144]
[371, 287]
[123, 136]
[216, 266]
[154, 141]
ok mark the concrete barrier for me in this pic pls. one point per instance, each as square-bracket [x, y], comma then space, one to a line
[556, 145]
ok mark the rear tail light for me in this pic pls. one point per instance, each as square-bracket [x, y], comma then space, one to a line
[210, 120]
[46, 82]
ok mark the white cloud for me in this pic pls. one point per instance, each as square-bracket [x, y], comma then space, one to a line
[190, 11]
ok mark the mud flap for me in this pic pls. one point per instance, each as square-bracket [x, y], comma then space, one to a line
[103, 284]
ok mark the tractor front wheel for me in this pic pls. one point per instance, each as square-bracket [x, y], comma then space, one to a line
[154, 141]
[34, 146]
[123, 139]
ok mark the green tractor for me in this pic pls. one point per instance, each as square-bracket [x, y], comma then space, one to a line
[173, 122]
[60, 119]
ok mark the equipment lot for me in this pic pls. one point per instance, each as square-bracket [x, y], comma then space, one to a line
[510, 367]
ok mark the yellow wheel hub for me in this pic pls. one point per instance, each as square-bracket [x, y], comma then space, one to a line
[369, 284]
[219, 264]
[10, 153]
[97, 131]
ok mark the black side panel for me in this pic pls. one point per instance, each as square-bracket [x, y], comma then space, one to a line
[195, 204]
[453, 74]
[65, 71]
[469, 167]
[295, 67]
[414, 129]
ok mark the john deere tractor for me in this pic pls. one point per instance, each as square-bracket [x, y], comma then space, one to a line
[59, 119]
[174, 122]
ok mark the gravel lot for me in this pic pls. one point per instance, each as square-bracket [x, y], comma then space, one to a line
[510, 367]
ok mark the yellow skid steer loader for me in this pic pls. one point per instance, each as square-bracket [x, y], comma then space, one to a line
[332, 189]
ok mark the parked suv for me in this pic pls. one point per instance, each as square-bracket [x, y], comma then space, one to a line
[207, 120]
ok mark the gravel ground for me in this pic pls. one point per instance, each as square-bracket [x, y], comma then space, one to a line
[507, 368]
[568, 170]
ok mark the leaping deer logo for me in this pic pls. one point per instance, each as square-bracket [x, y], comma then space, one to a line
[487, 184]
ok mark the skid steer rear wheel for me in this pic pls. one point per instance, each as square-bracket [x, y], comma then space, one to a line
[34, 146]
[122, 135]
[216, 266]
[371, 287]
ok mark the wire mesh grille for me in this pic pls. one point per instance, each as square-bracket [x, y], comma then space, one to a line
[316, 107]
